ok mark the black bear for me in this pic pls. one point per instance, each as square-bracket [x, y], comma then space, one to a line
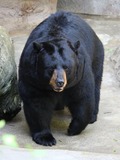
[61, 65]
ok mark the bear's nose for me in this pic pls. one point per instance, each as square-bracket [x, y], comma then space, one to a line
[60, 83]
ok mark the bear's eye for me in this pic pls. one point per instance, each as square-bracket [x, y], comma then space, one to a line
[65, 68]
[51, 70]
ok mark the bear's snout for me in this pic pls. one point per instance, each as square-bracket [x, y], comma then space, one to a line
[60, 83]
[58, 80]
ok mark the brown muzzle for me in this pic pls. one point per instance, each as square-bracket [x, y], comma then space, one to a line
[58, 80]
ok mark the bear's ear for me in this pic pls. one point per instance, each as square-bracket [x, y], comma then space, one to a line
[37, 46]
[77, 45]
[74, 46]
[48, 47]
[71, 45]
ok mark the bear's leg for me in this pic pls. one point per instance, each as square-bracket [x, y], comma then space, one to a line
[97, 99]
[82, 108]
[81, 115]
[98, 71]
[38, 116]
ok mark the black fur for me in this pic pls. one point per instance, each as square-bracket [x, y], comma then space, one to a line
[62, 41]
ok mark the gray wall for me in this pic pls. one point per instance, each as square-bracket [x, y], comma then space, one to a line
[95, 7]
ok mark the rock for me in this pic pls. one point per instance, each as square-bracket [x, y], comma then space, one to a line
[20, 16]
[9, 99]
[115, 59]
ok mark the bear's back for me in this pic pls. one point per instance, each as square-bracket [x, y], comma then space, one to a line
[62, 24]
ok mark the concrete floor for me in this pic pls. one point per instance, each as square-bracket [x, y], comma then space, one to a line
[45, 154]
[100, 140]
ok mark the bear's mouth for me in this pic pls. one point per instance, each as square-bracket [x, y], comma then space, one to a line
[58, 89]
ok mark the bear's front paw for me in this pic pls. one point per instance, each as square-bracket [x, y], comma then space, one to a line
[75, 127]
[44, 138]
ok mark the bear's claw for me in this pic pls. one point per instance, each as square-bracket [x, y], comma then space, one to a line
[45, 139]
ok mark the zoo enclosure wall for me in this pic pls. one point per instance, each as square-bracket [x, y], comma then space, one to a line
[20, 16]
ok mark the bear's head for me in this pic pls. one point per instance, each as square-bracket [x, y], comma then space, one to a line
[58, 63]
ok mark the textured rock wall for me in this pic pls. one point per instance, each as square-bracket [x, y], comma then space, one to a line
[94, 7]
[115, 59]
[22, 15]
